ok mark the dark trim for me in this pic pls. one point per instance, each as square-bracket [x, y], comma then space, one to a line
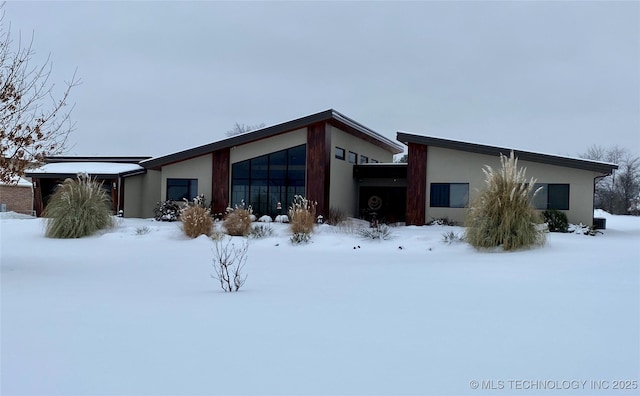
[416, 184]
[38, 205]
[576, 163]
[220, 181]
[331, 116]
[319, 154]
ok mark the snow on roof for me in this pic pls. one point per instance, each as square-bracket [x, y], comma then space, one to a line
[20, 182]
[91, 168]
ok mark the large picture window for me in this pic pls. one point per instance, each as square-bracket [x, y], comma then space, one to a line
[551, 196]
[449, 195]
[179, 189]
[264, 181]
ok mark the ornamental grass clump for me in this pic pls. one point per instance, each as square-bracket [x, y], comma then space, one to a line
[237, 222]
[78, 207]
[302, 215]
[196, 221]
[503, 213]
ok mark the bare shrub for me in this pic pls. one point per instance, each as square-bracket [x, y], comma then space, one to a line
[302, 215]
[196, 221]
[228, 264]
[503, 213]
[238, 221]
[336, 216]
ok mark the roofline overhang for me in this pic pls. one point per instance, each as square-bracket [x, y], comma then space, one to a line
[331, 116]
[576, 163]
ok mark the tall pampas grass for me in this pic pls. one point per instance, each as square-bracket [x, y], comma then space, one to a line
[503, 213]
[78, 207]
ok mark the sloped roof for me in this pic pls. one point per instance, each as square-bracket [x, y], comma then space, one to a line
[71, 169]
[331, 116]
[570, 162]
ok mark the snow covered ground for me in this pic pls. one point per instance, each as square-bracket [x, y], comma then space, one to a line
[126, 314]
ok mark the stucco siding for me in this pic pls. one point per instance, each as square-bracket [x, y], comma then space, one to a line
[196, 168]
[141, 194]
[342, 189]
[268, 145]
[453, 166]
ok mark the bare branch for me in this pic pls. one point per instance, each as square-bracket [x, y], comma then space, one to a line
[33, 122]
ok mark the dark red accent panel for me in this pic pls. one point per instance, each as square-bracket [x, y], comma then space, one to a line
[220, 180]
[416, 184]
[319, 165]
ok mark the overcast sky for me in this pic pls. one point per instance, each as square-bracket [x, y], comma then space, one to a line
[158, 77]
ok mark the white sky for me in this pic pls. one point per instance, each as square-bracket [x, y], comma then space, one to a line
[159, 77]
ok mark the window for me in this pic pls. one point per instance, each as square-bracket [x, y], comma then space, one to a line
[339, 153]
[364, 159]
[353, 157]
[374, 161]
[551, 196]
[449, 195]
[264, 181]
[179, 189]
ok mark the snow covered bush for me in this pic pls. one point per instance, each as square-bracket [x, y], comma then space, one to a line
[300, 237]
[442, 221]
[238, 221]
[302, 215]
[196, 221]
[380, 231]
[556, 220]
[503, 213]
[282, 219]
[261, 231]
[265, 219]
[78, 207]
[228, 264]
[451, 237]
[582, 229]
[143, 230]
[167, 211]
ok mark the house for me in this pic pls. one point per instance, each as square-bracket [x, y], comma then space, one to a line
[335, 161]
[110, 171]
[445, 175]
[17, 196]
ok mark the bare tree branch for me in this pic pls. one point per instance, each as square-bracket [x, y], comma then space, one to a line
[33, 123]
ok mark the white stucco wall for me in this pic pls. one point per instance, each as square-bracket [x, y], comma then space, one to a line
[268, 145]
[196, 168]
[343, 187]
[141, 194]
[452, 166]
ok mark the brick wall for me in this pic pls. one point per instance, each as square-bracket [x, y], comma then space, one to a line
[17, 198]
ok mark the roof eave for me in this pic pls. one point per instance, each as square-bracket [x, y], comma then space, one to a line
[576, 163]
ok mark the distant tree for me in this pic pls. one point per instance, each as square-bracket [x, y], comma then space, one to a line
[618, 193]
[243, 128]
[403, 160]
[33, 124]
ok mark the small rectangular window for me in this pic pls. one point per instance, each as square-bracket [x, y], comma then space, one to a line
[449, 195]
[180, 189]
[353, 157]
[551, 196]
[364, 159]
[339, 153]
